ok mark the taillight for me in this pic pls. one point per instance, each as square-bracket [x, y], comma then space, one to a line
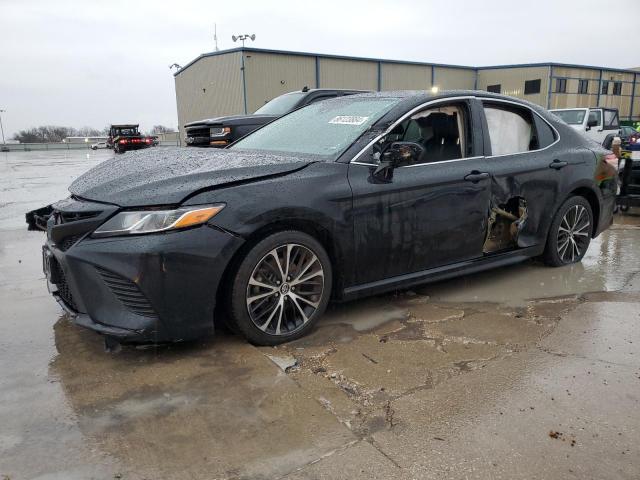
[123, 140]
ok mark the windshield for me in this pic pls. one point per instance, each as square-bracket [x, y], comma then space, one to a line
[572, 117]
[280, 105]
[325, 128]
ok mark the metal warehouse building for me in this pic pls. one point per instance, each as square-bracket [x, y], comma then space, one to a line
[241, 80]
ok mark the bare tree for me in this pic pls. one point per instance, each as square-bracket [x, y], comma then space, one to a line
[161, 129]
[53, 134]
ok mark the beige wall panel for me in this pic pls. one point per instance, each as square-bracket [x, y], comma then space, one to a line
[585, 73]
[512, 81]
[567, 100]
[337, 73]
[270, 75]
[454, 78]
[209, 88]
[398, 76]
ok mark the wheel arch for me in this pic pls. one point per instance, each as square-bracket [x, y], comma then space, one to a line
[311, 228]
[594, 202]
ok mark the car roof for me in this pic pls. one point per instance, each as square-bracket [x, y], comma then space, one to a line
[327, 90]
[421, 96]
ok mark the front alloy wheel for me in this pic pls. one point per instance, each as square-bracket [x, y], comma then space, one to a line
[281, 287]
[285, 289]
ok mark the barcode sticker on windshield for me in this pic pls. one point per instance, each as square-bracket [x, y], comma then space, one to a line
[348, 120]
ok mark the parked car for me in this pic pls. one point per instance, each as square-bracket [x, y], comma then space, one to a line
[595, 123]
[98, 145]
[629, 135]
[341, 199]
[222, 131]
[123, 138]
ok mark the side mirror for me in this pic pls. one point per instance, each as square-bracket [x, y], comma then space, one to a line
[592, 122]
[398, 154]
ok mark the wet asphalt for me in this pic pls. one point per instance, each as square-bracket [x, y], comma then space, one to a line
[521, 372]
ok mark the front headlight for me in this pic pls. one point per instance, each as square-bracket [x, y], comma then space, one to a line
[151, 221]
[219, 131]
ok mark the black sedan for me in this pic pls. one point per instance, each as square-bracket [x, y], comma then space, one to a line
[344, 198]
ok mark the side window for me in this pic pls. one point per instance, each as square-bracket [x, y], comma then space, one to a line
[441, 131]
[561, 85]
[595, 115]
[532, 86]
[511, 129]
[494, 88]
[546, 135]
[617, 88]
[605, 88]
[611, 119]
[583, 86]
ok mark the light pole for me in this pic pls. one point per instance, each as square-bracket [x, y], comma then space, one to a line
[244, 37]
[2, 129]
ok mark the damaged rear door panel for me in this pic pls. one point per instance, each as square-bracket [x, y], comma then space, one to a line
[529, 170]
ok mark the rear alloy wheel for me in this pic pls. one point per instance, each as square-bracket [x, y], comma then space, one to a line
[570, 233]
[281, 287]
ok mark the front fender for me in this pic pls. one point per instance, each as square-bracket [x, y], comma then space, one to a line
[318, 195]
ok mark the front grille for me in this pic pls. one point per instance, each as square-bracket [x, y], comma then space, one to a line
[198, 132]
[127, 293]
[63, 286]
[68, 217]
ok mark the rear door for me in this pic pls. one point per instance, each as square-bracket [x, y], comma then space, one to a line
[529, 168]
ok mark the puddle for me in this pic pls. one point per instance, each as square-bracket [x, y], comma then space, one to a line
[366, 315]
[610, 261]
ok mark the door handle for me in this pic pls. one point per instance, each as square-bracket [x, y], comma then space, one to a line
[475, 176]
[558, 164]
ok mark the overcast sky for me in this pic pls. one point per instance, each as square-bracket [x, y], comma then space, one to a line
[86, 63]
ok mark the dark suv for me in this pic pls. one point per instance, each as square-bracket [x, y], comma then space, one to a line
[220, 132]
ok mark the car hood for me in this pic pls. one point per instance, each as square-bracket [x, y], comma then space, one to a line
[233, 120]
[167, 177]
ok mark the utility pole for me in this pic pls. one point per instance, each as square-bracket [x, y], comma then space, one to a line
[215, 36]
[1, 128]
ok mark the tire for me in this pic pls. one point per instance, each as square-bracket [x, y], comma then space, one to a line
[570, 233]
[263, 303]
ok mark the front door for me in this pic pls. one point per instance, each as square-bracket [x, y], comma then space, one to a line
[429, 214]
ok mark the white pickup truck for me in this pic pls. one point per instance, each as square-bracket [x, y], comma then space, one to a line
[595, 123]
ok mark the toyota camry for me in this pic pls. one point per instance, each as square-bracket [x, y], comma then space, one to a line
[344, 198]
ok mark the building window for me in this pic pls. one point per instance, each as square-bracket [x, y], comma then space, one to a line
[583, 86]
[604, 90]
[494, 88]
[561, 85]
[617, 88]
[531, 86]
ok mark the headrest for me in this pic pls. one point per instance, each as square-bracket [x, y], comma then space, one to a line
[443, 125]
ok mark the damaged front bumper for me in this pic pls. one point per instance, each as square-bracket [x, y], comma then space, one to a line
[150, 288]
